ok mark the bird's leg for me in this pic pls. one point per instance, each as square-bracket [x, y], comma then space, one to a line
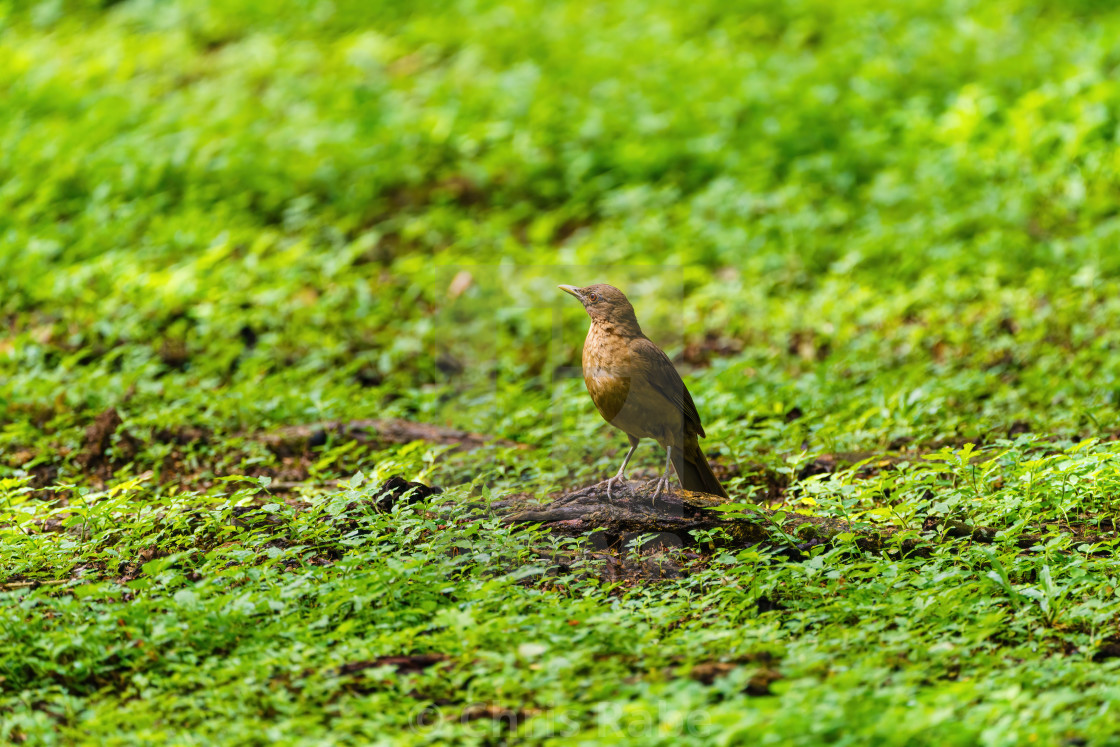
[622, 470]
[663, 481]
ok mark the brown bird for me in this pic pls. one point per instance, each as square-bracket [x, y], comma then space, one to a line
[637, 390]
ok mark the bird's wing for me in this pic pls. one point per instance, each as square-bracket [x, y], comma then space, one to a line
[664, 378]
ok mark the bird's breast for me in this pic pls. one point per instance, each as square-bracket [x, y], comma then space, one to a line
[606, 364]
[620, 387]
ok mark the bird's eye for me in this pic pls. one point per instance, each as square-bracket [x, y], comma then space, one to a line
[592, 296]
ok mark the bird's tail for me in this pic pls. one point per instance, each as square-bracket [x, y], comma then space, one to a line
[693, 469]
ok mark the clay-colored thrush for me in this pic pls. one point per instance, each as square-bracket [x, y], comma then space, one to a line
[637, 390]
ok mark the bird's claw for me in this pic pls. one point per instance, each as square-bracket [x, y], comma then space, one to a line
[610, 484]
[662, 484]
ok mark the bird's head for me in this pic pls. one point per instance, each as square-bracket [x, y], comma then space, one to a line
[604, 303]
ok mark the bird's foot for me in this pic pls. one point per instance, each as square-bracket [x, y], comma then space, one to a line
[610, 483]
[662, 484]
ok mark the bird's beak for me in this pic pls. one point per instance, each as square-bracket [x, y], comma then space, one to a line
[571, 289]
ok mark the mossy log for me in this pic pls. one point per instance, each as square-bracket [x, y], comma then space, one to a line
[687, 515]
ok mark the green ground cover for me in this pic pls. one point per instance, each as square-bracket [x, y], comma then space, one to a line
[879, 239]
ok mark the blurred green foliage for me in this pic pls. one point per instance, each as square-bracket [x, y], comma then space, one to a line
[921, 199]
